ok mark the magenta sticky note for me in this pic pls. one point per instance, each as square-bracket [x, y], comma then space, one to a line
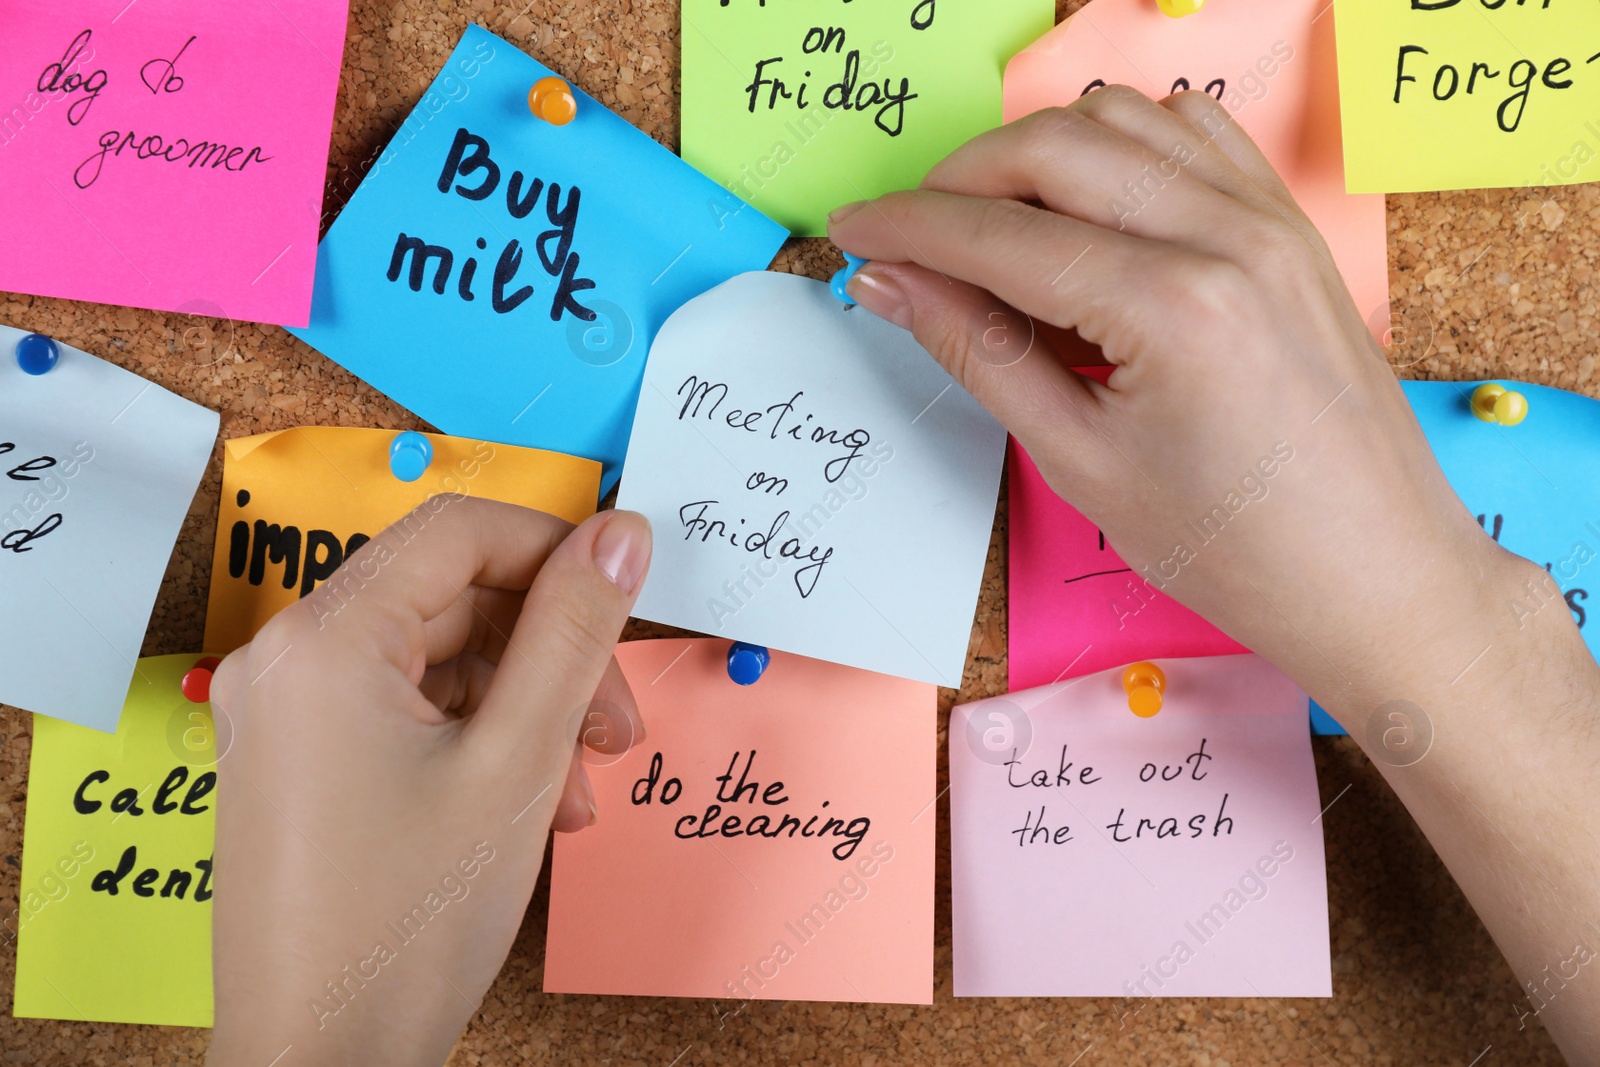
[1075, 606]
[1094, 853]
[168, 154]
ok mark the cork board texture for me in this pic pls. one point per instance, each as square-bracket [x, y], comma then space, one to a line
[1487, 284]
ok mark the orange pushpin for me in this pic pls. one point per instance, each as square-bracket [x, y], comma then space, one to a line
[1179, 8]
[551, 99]
[1496, 403]
[1144, 683]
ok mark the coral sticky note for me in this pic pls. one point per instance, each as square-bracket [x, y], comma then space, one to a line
[769, 842]
[298, 503]
[97, 470]
[799, 108]
[168, 155]
[1094, 853]
[1468, 94]
[503, 277]
[114, 919]
[1271, 65]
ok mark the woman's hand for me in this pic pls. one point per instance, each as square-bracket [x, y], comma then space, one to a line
[402, 741]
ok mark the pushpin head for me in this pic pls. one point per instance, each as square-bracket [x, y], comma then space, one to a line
[409, 455]
[1496, 403]
[1179, 8]
[842, 278]
[196, 684]
[551, 99]
[746, 662]
[1144, 683]
[37, 354]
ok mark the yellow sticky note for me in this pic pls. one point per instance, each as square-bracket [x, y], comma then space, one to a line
[114, 915]
[296, 504]
[1468, 94]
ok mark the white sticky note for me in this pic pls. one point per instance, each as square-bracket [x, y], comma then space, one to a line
[816, 482]
[1094, 853]
[97, 469]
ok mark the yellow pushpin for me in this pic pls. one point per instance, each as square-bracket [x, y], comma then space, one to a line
[1179, 8]
[1144, 683]
[551, 99]
[1496, 403]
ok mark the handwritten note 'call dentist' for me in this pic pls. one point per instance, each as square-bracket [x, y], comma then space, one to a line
[817, 483]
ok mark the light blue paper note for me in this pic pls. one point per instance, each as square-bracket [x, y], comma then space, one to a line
[518, 304]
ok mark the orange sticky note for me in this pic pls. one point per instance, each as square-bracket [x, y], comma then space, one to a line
[1272, 65]
[296, 503]
[769, 842]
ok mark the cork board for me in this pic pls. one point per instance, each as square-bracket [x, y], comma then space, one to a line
[1486, 284]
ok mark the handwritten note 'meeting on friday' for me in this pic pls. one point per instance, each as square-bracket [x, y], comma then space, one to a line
[1094, 853]
[799, 108]
[503, 277]
[114, 923]
[1468, 94]
[97, 469]
[168, 156]
[1271, 67]
[769, 842]
[298, 503]
[816, 482]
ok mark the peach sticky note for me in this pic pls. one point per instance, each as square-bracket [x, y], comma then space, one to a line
[297, 503]
[769, 842]
[1272, 65]
[1094, 853]
[1074, 606]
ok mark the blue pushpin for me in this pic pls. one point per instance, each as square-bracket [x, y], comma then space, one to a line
[37, 354]
[746, 663]
[837, 283]
[409, 455]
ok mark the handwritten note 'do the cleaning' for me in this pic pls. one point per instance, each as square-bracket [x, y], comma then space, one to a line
[502, 276]
[817, 483]
[1094, 853]
[114, 916]
[168, 155]
[801, 107]
[1468, 94]
[769, 842]
[97, 469]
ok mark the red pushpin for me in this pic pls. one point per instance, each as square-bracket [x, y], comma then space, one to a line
[196, 684]
[551, 99]
[1144, 683]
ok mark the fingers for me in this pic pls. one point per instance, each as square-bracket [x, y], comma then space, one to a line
[1204, 113]
[575, 809]
[612, 724]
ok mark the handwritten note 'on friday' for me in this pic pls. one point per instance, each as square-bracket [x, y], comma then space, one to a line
[170, 155]
[503, 277]
[799, 108]
[97, 469]
[817, 483]
[114, 916]
[770, 842]
[297, 504]
[1094, 853]
[1468, 94]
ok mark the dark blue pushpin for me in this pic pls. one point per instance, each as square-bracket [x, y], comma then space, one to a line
[409, 455]
[839, 280]
[746, 663]
[37, 354]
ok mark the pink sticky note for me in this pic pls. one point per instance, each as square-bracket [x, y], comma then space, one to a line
[814, 883]
[1270, 62]
[1094, 853]
[1075, 607]
[169, 154]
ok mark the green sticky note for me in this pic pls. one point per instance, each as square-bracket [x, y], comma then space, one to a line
[798, 107]
[114, 917]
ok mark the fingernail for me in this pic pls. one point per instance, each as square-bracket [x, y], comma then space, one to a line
[588, 796]
[844, 211]
[622, 549]
[882, 296]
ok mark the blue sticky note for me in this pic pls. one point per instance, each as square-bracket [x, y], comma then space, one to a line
[503, 277]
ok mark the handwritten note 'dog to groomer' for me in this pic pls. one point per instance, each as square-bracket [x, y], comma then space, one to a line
[817, 483]
[1094, 853]
[769, 842]
[168, 155]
